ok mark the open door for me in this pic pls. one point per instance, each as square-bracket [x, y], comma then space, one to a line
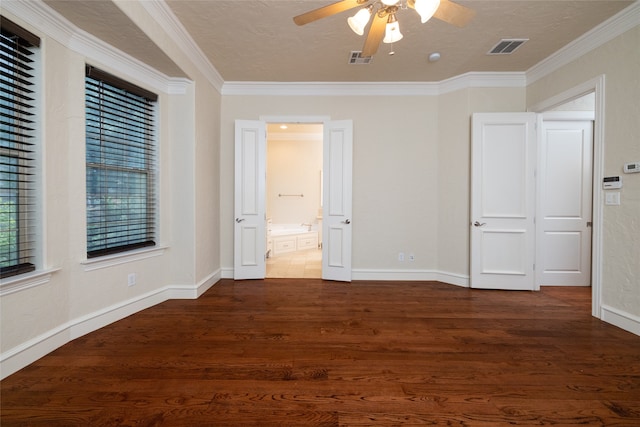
[250, 220]
[503, 160]
[336, 223]
[563, 243]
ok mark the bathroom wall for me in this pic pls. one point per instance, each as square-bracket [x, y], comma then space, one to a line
[294, 164]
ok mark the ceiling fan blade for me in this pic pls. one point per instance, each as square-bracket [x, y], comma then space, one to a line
[454, 13]
[328, 10]
[375, 36]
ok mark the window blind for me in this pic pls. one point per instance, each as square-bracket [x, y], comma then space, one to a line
[18, 171]
[121, 165]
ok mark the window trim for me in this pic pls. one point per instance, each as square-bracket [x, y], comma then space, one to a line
[151, 172]
[106, 261]
[28, 193]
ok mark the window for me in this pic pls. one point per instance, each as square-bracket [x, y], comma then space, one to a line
[121, 165]
[18, 168]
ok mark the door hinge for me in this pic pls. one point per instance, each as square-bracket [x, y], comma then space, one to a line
[589, 223]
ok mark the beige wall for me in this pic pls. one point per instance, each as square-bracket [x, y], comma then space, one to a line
[454, 164]
[619, 61]
[410, 171]
[293, 167]
[394, 171]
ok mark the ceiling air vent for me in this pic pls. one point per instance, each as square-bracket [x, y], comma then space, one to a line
[506, 46]
[356, 58]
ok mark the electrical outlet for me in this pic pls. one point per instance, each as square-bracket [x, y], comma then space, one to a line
[400, 256]
[412, 257]
[131, 279]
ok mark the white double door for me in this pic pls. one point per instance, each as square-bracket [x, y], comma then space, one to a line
[531, 197]
[249, 204]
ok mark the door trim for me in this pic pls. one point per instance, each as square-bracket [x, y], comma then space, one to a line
[596, 85]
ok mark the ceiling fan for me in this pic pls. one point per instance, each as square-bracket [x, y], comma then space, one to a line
[385, 25]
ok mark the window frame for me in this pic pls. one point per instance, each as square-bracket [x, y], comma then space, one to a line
[111, 84]
[21, 141]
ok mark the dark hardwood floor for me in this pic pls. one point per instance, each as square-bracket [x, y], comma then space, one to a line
[306, 352]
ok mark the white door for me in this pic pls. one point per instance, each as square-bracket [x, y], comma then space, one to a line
[250, 220]
[503, 160]
[336, 222]
[564, 204]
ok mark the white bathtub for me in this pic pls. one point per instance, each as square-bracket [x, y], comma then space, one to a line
[285, 238]
[288, 229]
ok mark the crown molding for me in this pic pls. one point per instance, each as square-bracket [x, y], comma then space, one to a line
[164, 16]
[482, 80]
[178, 86]
[328, 88]
[49, 22]
[463, 81]
[618, 24]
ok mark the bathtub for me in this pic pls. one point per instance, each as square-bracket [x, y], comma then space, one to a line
[286, 238]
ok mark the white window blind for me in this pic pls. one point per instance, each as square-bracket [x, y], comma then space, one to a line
[18, 168]
[121, 165]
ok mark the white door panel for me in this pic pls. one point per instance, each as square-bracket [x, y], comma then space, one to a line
[503, 200]
[336, 221]
[565, 203]
[249, 205]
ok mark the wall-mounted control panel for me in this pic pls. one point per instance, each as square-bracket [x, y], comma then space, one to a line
[611, 182]
[631, 167]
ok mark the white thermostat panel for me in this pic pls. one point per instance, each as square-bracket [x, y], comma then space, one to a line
[632, 167]
[611, 182]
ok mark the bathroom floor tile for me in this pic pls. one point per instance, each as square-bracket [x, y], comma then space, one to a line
[302, 264]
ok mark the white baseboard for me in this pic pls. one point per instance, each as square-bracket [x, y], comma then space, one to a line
[20, 356]
[227, 273]
[400, 275]
[411, 275]
[621, 319]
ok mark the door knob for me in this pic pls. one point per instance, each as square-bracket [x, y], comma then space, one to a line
[238, 220]
[479, 224]
[346, 221]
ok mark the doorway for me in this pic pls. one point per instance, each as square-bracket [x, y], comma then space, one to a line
[250, 223]
[593, 88]
[588, 96]
[505, 205]
[294, 200]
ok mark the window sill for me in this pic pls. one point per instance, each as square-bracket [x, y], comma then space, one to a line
[122, 258]
[26, 281]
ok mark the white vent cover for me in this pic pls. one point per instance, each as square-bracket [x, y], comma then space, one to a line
[355, 57]
[506, 46]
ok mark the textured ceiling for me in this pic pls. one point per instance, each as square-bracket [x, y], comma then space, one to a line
[258, 40]
[105, 20]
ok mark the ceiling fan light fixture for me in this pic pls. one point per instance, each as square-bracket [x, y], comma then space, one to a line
[392, 33]
[360, 20]
[389, 2]
[426, 8]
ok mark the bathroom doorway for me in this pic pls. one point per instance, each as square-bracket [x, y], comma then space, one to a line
[294, 200]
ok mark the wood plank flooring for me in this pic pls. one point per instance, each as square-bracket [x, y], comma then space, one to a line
[285, 352]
